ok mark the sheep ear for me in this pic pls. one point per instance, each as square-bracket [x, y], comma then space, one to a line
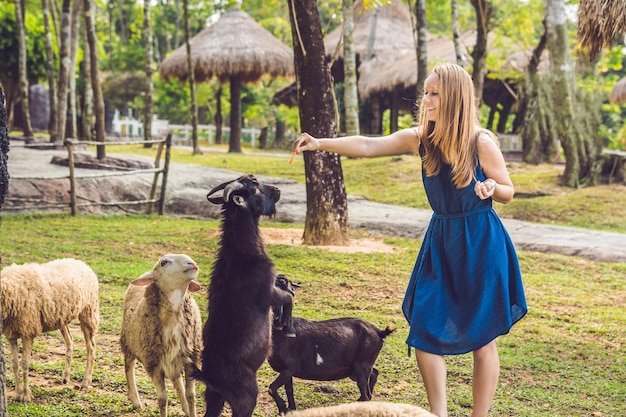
[194, 286]
[145, 279]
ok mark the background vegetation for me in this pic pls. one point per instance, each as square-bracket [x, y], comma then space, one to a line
[516, 26]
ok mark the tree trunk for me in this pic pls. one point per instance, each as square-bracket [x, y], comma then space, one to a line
[192, 82]
[87, 110]
[23, 70]
[523, 101]
[326, 221]
[64, 70]
[123, 32]
[538, 130]
[177, 25]
[579, 141]
[456, 37]
[350, 97]
[562, 69]
[52, 86]
[394, 111]
[484, 13]
[219, 120]
[376, 122]
[279, 139]
[147, 109]
[72, 125]
[234, 143]
[421, 51]
[263, 138]
[95, 78]
[4, 187]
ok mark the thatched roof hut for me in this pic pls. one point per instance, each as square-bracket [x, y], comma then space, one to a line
[234, 49]
[234, 46]
[384, 75]
[600, 23]
[618, 92]
[378, 32]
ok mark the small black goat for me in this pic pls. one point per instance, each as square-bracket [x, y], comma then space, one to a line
[326, 350]
[242, 291]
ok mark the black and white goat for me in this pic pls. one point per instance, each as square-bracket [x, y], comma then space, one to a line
[237, 333]
[325, 350]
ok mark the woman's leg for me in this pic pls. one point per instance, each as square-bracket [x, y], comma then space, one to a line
[433, 370]
[486, 373]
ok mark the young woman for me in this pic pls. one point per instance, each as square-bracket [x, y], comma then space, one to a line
[466, 287]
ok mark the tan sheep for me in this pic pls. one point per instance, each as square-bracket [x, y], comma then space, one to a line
[162, 328]
[364, 409]
[38, 298]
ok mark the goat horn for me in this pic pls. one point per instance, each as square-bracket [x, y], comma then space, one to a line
[233, 186]
[217, 200]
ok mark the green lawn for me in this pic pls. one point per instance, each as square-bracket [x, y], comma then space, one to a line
[567, 357]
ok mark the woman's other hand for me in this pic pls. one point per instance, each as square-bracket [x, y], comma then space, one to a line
[305, 142]
[485, 189]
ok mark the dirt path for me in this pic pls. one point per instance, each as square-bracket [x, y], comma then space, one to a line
[188, 185]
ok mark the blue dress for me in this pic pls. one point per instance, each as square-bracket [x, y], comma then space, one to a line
[466, 287]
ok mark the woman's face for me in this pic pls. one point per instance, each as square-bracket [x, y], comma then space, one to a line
[430, 100]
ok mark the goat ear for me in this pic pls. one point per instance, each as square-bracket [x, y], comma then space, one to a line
[194, 286]
[145, 279]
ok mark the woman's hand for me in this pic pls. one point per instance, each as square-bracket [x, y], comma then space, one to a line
[485, 189]
[306, 142]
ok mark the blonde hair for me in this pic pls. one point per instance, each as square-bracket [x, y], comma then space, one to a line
[452, 139]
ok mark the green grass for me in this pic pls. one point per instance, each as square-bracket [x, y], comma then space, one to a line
[566, 358]
[397, 180]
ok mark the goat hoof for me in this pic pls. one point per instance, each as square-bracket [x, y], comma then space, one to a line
[289, 331]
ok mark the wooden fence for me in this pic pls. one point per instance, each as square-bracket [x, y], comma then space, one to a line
[73, 177]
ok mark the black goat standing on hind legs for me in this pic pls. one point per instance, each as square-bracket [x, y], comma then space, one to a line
[241, 293]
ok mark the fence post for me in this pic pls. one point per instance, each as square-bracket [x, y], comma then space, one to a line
[70, 164]
[166, 167]
[157, 163]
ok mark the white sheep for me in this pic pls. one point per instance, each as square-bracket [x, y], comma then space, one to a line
[364, 409]
[162, 328]
[38, 298]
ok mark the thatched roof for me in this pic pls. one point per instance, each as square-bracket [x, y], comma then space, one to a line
[121, 88]
[393, 31]
[618, 93]
[600, 23]
[236, 46]
[384, 75]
